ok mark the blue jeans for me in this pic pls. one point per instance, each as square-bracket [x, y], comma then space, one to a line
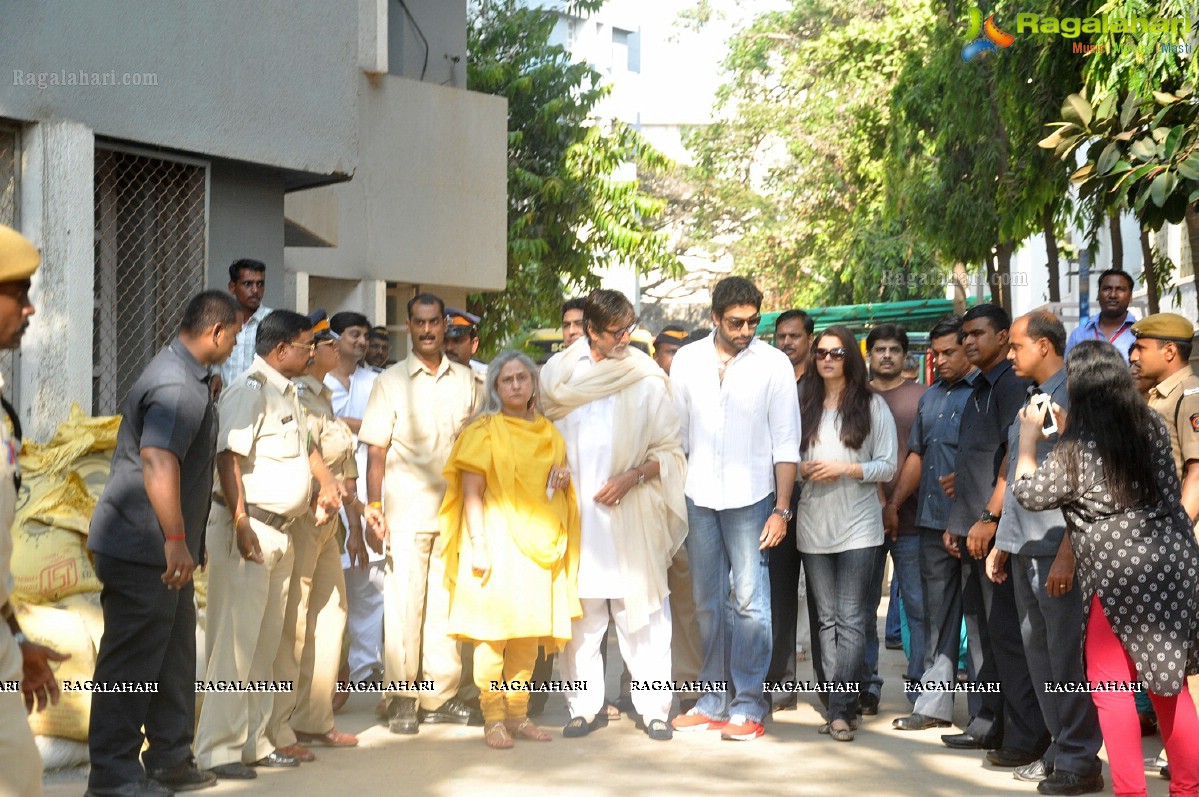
[840, 584]
[736, 639]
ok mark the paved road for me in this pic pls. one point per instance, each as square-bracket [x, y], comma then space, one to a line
[619, 760]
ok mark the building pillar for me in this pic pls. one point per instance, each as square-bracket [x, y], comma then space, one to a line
[58, 214]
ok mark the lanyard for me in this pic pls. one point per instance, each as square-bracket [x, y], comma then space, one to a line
[1119, 332]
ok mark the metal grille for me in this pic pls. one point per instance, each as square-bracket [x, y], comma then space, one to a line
[150, 258]
[10, 359]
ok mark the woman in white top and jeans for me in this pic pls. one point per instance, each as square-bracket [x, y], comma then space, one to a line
[848, 448]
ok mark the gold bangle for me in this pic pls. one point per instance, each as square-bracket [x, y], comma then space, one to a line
[376, 504]
[237, 519]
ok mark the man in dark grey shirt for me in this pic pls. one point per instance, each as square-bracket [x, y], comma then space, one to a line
[147, 534]
[996, 647]
[1042, 567]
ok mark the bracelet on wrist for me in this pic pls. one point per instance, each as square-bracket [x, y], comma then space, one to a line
[237, 520]
[375, 505]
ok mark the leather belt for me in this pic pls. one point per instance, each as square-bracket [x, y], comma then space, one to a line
[272, 519]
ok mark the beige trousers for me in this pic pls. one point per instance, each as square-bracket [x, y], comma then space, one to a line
[416, 611]
[20, 762]
[685, 652]
[313, 625]
[246, 601]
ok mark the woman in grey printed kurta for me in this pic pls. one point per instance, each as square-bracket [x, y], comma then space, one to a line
[1136, 557]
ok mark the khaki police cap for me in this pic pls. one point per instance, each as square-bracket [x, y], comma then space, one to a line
[19, 258]
[1164, 326]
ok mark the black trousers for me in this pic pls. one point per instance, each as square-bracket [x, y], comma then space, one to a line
[784, 566]
[149, 638]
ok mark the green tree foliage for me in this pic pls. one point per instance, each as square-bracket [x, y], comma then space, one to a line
[568, 215]
[791, 176]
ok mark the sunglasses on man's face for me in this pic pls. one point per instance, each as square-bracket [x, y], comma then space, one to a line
[736, 324]
[837, 354]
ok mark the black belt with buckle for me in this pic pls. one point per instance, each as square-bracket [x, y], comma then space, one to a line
[272, 519]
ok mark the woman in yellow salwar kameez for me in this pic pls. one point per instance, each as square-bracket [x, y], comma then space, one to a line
[510, 527]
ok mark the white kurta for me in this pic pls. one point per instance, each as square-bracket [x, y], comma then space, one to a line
[588, 434]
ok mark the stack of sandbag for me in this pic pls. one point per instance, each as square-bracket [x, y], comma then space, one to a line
[56, 589]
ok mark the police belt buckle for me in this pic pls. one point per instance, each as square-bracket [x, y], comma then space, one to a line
[272, 519]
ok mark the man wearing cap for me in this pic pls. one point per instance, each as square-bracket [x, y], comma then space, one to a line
[462, 339]
[415, 412]
[265, 465]
[667, 343]
[1161, 352]
[314, 618]
[147, 536]
[350, 385]
[378, 349]
[20, 762]
[1114, 322]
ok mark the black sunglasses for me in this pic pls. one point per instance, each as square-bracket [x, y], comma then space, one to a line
[837, 354]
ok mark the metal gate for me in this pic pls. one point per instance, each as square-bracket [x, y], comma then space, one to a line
[151, 251]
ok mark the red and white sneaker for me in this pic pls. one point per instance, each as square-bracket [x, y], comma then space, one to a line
[741, 729]
[693, 720]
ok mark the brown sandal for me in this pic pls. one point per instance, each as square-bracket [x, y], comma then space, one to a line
[523, 728]
[496, 736]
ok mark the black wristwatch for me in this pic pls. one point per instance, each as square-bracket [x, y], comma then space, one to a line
[988, 517]
[785, 514]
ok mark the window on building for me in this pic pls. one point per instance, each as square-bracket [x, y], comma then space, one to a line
[151, 251]
[626, 51]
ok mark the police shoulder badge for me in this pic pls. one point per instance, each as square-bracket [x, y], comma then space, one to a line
[1195, 422]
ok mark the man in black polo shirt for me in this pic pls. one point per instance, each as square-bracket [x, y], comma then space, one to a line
[996, 648]
[147, 534]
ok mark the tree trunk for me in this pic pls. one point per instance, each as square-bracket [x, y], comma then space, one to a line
[960, 281]
[1003, 275]
[992, 280]
[1113, 227]
[1192, 222]
[1051, 254]
[1150, 273]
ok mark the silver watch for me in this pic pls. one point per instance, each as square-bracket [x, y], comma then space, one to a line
[785, 514]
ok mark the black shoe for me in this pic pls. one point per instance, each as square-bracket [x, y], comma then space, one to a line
[1011, 757]
[1035, 772]
[1061, 782]
[894, 644]
[453, 711]
[277, 760]
[1165, 772]
[579, 727]
[968, 741]
[145, 788]
[784, 702]
[868, 703]
[659, 731]
[918, 722]
[401, 715]
[184, 776]
[234, 771]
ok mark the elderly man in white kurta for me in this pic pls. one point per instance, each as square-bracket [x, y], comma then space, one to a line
[612, 404]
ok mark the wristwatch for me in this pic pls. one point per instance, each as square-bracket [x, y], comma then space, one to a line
[988, 517]
[785, 514]
[20, 637]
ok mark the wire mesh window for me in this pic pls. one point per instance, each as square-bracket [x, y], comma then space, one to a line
[150, 258]
[9, 359]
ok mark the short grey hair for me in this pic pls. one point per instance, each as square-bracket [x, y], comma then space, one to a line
[492, 405]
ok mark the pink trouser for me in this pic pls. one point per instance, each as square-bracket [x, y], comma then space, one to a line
[1108, 661]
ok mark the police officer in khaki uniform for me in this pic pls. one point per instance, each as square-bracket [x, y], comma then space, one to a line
[315, 618]
[20, 763]
[416, 410]
[1160, 356]
[265, 464]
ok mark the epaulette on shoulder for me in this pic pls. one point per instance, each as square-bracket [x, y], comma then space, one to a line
[1190, 391]
[254, 381]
